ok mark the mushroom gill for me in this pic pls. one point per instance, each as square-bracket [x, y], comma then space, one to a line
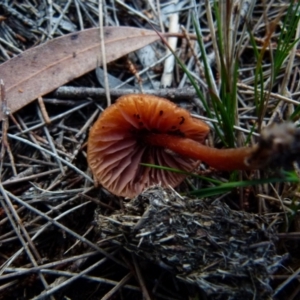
[118, 144]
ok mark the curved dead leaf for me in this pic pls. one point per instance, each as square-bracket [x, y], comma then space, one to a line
[44, 68]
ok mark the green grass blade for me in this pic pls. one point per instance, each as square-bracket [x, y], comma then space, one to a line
[229, 186]
[220, 187]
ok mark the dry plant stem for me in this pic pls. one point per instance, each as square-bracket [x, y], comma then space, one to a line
[80, 20]
[281, 277]
[221, 159]
[285, 211]
[289, 235]
[18, 221]
[294, 293]
[141, 280]
[50, 142]
[66, 229]
[77, 242]
[135, 12]
[5, 286]
[87, 124]
[88, 15]
[103, 53]
[44, 110]
[57, 117]
[213, 33]
[16, 272]
[32, 138]
[287, 75]
[159, 15]
[117, 287]
[274, 95]
[4, 141]
[8, 233]
[49, 292]
[192, 49]
[144, 71]
[30, 256]
[84, 92]
[286, 282]
[53, 155]
[167, 75]
[60, 17]
[97, 201]
[132, 69]
[71, 274]
[15, 255]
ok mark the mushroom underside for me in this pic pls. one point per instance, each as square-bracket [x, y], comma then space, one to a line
[121, 171]
[117, 144]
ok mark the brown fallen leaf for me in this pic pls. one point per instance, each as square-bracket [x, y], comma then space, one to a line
[44, 68]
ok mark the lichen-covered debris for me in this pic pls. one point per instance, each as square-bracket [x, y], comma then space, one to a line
[228, 254]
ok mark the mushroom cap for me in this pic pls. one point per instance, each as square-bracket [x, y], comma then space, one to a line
[117, 145]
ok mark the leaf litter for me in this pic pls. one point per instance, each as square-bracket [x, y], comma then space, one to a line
[224, 252]
[49, 247]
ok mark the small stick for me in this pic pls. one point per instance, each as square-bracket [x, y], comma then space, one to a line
[57, 117]
[87, 124]
[50, 142]
[32, 137]
[117, 287]
[103, 52]
[71, 166]
[193, 52]
[84, 92]
[16, 272]
[56, 24]
[56, 208]
[77, 241]
[286, 282]
[79, 16]
[132, 69]
[5, 145]
[64, 228]
[37, 161]
[274, 95]
[23, 178]
[21, 239]
[140, 278]
[17, 225]
[167, 76]
[56, 288]
[98, 202]
[44, 110]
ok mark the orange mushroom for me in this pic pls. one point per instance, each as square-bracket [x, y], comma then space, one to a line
[147, 129]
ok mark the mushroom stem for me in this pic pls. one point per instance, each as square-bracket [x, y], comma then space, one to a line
[221, 159]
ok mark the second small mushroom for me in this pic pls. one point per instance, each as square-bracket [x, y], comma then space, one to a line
[147, 129]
